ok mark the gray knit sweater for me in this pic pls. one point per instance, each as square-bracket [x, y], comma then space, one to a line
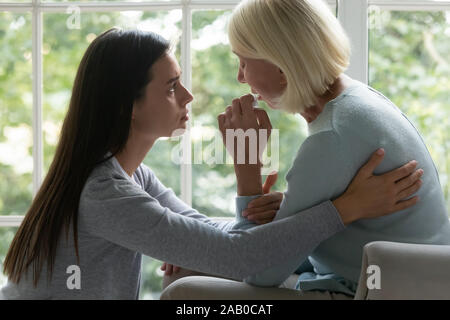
[121, 218]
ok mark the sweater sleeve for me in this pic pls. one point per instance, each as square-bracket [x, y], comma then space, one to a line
[117, 210]
[319, 173]
[167, 198]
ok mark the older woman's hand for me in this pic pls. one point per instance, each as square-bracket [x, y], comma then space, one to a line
[245, 131]
[253, 121]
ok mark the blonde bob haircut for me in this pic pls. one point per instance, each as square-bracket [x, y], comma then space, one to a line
[301, 37]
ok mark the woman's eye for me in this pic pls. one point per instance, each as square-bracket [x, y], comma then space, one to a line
[172, 89]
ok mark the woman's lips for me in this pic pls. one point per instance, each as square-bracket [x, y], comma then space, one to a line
[185, 118]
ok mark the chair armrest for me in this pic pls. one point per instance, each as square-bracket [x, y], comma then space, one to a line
[407, 271]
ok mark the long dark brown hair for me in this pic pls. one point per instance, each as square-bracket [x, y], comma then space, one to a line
[112, 74]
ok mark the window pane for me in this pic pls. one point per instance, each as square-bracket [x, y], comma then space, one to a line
[151, 279]
[16, 101]
[409, 62]
[6, 237]
[214, 72]
[63, 47]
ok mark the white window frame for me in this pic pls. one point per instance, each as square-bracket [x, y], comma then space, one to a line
[354, 13]
[351, 13]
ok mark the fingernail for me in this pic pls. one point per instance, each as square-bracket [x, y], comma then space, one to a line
[380, 152]
[421, 171]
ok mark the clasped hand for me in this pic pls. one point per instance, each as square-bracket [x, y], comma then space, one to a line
[240, 121]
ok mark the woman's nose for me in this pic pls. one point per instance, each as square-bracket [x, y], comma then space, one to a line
[240, 76]
[188, 97]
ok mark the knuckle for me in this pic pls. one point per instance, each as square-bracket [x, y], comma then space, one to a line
[412, 166]
[405, 170]
[246, 97]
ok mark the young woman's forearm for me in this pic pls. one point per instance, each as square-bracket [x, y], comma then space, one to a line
[120, 212]
[346, 210]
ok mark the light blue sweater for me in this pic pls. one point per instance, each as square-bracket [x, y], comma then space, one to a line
[341, 139]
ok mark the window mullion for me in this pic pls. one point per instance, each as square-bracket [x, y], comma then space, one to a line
[38, 157]
[186, 167]
[354, 18]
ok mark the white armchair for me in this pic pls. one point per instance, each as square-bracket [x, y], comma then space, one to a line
[407, 271]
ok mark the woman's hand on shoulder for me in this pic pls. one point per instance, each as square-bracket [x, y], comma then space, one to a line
[372, 196]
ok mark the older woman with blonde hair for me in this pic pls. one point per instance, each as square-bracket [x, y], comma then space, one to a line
[293, 55]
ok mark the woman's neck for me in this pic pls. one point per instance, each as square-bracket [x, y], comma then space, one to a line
[341, 83]
[131, 157]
